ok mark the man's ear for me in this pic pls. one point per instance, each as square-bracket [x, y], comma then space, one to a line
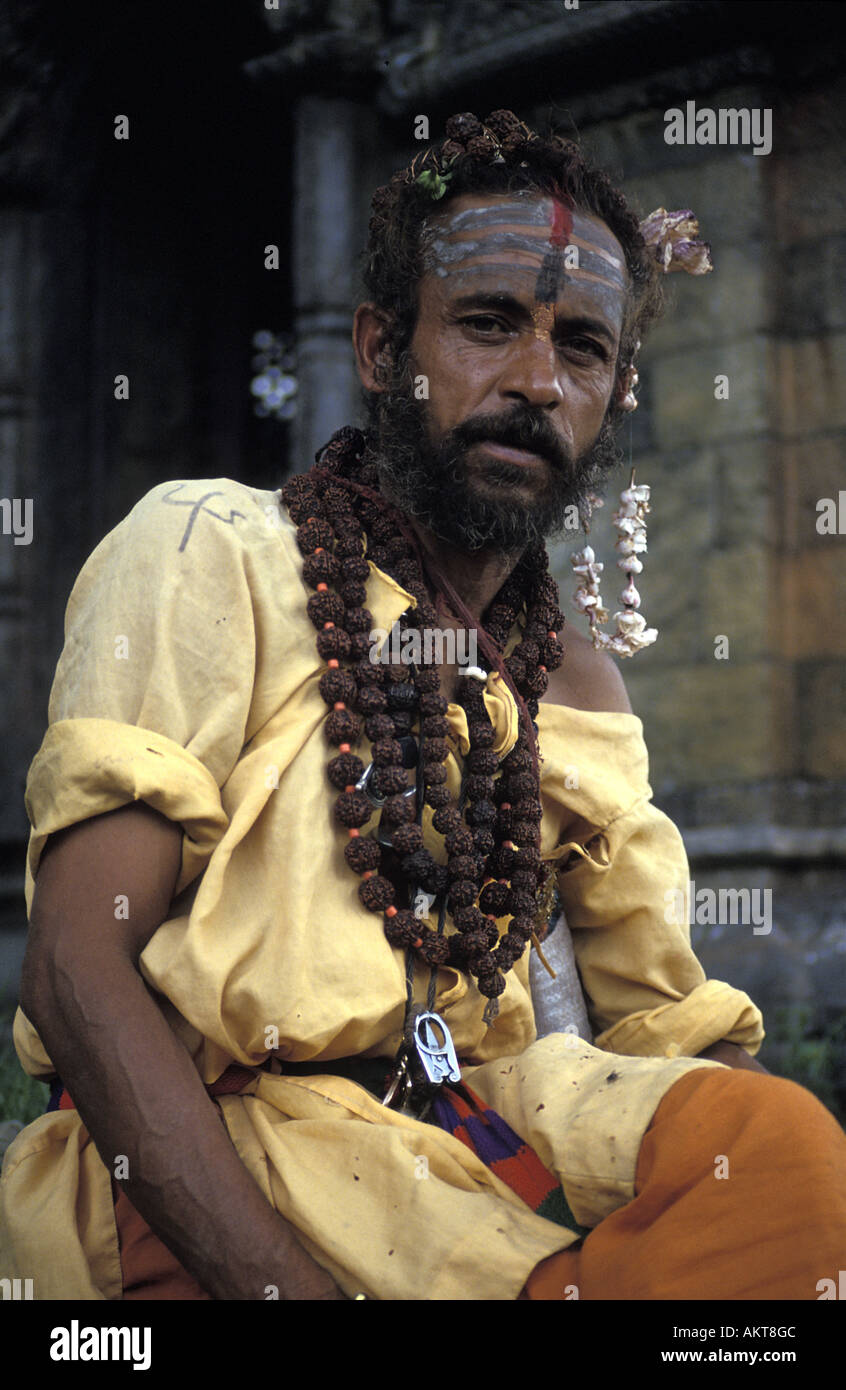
[371, 328]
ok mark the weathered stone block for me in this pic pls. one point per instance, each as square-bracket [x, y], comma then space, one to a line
[684, 386]
[730, 302]
[811, 383]
[812, 602]
[821, 699]
[807, 191]
[725, 193]
[809, 286]
[635, 145]
[681, 536]
[743, 473]
[739, 591]
[811, 469]
[708, 723]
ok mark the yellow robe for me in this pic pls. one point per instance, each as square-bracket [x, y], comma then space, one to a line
[189, 680]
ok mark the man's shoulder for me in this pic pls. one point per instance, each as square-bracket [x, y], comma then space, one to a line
[223, 499]
[196, 533]
[587, 679]
[201, 517]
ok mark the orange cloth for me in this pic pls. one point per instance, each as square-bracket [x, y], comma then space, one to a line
[771, 1229]
[148, 1268]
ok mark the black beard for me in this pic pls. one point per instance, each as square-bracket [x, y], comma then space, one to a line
[429, 481]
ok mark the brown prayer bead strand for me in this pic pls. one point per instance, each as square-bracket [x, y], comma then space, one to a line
[352, 808]
[481, 938]
[347, 641]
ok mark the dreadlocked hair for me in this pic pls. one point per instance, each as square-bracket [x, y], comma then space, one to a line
[498, 155]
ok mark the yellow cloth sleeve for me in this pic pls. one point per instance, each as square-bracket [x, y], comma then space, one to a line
[160, 639]
[622, 863]
[647, 992]
[169, 667]
[86, 767]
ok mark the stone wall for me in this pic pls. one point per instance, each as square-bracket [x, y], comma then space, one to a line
[734, 546]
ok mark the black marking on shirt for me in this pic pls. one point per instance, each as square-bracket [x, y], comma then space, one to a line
[198, 505]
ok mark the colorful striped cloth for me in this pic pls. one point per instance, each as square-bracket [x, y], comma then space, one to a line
[59, 1097]
[461, 1112]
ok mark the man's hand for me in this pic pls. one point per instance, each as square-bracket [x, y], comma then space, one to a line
[132, 1081]
[732, 1056]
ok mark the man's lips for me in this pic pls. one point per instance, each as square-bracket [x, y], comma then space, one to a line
[522, 457]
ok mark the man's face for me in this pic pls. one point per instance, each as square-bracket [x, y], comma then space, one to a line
[520, 313]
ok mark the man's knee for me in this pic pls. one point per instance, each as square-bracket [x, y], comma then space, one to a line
[727, 1121]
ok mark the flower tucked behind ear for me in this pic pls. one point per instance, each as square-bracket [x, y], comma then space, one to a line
[674, 235]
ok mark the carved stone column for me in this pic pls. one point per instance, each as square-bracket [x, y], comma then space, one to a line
[326, 240]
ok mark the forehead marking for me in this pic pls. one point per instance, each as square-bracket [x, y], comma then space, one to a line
[507, 236]
[461, 224]
[450, 246]
[543, 317]
[533, 212]
[484, 265]
[551, 272]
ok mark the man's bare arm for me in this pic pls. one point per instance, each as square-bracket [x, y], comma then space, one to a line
[135, 1086]
[732, 1056]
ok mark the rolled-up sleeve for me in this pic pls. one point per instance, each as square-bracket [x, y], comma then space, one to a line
[152, 693]
[86, 767]
[623, 878]
[647, 993]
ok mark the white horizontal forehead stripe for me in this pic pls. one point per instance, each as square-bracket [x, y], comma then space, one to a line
[484, 264]
[504, 218]
[537, 211]
[593, 247]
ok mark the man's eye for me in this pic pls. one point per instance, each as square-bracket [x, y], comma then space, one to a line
[586, 347]
[485, 323]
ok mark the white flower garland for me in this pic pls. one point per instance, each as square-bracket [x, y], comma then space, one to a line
[632, 632]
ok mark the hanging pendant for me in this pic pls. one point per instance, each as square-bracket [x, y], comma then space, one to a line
[491, 1012]
[400, 1082]
[435, 1049]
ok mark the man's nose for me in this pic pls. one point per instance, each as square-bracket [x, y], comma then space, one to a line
[533, 372]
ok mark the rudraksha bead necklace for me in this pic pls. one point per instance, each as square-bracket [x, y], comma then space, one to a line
[493, 867]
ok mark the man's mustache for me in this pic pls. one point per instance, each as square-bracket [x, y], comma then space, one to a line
[516, 429]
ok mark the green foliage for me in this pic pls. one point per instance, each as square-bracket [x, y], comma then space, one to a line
[808, 1046]
[21, 1097]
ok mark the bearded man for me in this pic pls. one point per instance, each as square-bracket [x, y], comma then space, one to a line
[255, 1068]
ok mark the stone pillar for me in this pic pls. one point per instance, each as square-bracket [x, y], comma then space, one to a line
[22, 554]
[326, 239]
[19, 345]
